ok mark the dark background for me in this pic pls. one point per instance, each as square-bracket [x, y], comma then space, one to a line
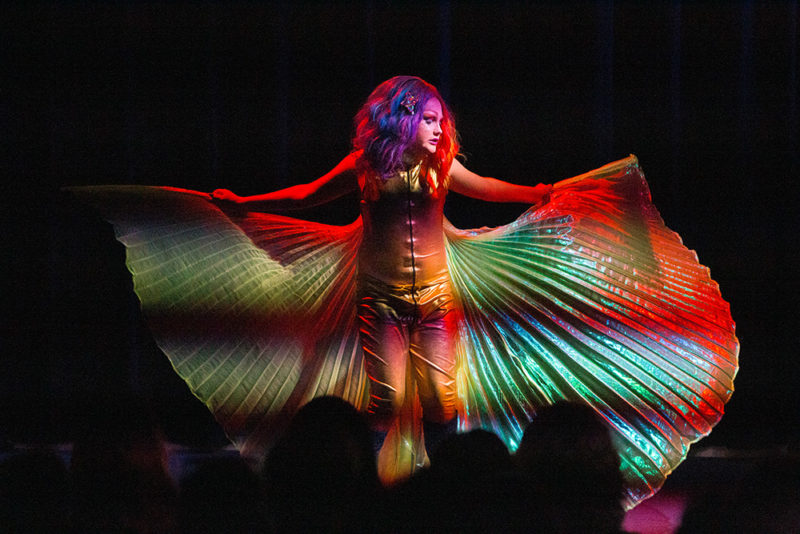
[257, 96]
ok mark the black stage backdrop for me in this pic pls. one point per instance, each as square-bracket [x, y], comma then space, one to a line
[254, 97]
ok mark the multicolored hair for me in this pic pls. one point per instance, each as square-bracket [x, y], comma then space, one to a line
[386, 127]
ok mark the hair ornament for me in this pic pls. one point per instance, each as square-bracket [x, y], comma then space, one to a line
[410, 103]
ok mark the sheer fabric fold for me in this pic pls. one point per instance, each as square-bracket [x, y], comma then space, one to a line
[592, 299]
[589, 298]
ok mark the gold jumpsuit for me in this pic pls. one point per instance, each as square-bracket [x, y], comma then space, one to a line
[406, 313]
[588, 299]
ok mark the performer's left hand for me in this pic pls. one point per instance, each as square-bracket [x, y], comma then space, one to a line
[541, 194]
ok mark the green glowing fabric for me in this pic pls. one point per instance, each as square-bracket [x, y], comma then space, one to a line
[589, 298]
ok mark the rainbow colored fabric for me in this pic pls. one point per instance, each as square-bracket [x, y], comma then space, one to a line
[589, 298]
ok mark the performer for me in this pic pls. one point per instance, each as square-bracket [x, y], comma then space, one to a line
[403, 165]
[586, 297]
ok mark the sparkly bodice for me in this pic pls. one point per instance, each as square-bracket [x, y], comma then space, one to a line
[403, 240]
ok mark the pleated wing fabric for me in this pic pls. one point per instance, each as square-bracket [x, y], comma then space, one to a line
[589, 298]
[255, 312]
[592, 299]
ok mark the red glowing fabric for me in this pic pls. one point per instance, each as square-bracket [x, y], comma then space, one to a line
[589, 298]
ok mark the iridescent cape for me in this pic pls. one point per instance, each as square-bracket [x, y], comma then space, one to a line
[588, 298]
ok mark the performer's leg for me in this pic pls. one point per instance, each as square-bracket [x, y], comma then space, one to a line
[431, 346]
[384, 340]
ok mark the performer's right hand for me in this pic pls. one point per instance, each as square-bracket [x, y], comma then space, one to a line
[226, 195]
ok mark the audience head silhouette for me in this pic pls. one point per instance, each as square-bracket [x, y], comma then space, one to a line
[321, 475]
[572, 469]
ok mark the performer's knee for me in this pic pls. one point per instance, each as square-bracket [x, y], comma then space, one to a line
[385, 404]
[439, 409]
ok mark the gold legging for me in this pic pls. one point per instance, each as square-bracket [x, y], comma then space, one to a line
[401, 325]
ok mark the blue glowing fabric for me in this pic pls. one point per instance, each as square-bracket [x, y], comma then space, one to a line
[589, 298]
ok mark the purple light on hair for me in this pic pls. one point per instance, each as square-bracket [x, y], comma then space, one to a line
[386, 126]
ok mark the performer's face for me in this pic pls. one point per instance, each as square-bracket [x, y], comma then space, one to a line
[430, 127]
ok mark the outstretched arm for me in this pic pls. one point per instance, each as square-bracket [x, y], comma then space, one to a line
[337, 182]
[466, 182]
